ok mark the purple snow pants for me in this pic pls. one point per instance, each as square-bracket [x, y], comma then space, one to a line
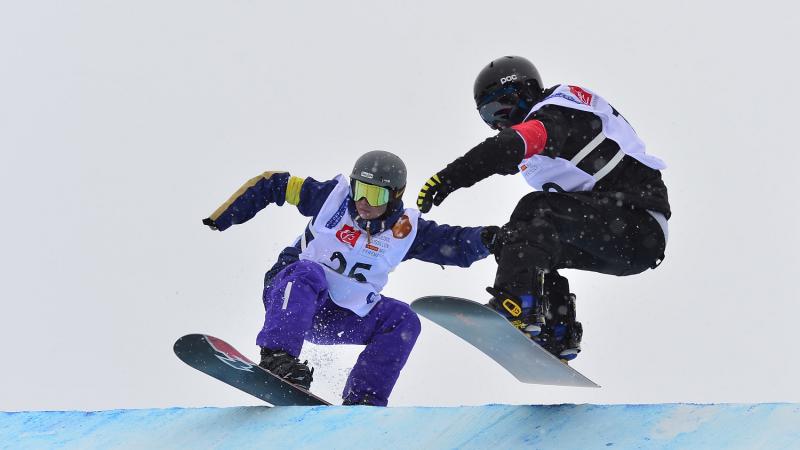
[389, 331]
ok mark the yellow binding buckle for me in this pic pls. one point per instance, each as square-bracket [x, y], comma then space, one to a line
[512, 307]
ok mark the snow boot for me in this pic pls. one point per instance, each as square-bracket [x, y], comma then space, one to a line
[286, 366]
[352, 400]
[563, 334]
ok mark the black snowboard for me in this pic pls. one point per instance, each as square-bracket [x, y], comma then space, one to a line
[219, 359]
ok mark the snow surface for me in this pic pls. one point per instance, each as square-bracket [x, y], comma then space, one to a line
[664, 426]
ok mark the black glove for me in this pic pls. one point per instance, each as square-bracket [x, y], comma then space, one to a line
[495, 238]
[491, 238]
[210, 222]
[436, 189]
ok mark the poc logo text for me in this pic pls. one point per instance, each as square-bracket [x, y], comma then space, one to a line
[505, 80]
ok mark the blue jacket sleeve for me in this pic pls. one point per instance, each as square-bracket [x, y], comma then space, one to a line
[447, 245]
[271, 187]
[313, 195]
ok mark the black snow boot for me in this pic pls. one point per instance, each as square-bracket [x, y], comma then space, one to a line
[286, 366]
[563, 334]
[365, 400]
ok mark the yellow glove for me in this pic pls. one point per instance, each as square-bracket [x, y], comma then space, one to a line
[436, 189]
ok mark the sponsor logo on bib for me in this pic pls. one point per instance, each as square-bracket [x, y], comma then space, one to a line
[583, 96]
[402, 227]
[348, 235]
[337, 216]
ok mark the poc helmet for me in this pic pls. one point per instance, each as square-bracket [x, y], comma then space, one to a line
[506, 90]
[380, 168]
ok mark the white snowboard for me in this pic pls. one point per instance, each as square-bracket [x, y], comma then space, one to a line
[491, 333]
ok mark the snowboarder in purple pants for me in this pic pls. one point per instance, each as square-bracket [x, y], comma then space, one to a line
[326, 287]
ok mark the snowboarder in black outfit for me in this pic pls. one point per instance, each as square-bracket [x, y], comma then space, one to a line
[599, 202]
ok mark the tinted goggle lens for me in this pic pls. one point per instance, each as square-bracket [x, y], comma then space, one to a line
[375, 195]
[496, 108]
[497, 112]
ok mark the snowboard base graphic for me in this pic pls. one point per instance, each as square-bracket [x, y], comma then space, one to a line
[217, 358]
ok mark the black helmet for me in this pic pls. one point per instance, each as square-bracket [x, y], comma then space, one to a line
[381, 168]
[506, 90]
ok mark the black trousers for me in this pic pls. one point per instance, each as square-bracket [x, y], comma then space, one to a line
[591, 231]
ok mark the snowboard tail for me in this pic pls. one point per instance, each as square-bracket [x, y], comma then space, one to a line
[490, 332]
[217, 358]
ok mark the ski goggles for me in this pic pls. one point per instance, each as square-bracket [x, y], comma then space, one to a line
[375, 195]
[496, 108]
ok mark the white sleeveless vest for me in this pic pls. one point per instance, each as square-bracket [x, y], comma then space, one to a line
[542, 171]
[356, 264]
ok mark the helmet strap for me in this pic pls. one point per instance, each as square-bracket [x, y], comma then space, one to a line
[397, 194]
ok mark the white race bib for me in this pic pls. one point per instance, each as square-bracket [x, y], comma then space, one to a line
[357, 264]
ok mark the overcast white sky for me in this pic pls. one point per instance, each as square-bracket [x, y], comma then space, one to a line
[122, 124]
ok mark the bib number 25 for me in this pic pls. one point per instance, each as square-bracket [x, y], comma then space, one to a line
[342, 265]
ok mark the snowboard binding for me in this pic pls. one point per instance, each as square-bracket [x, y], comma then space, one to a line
[525, 312]
[286, 366]
[551, 323]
